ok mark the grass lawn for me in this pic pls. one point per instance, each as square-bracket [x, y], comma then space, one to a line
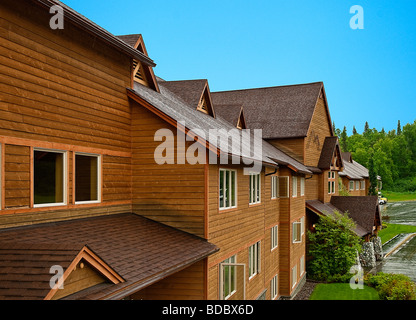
[394, 229]
[399, 196]
[342, 291]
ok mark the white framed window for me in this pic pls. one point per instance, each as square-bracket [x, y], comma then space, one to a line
[273, 288]
[296, 232]
[274, 186]
[255, 188]
[302, 186]
[357, 185]
[274, 238]
[87, 178]
[294, 186]
[50, 174]
[351, 185]
[283, 187]
[362, 184]
[228, 189]
[254, 258]
[331, 182]
[302, 226]
[294, 275]
[301, 265]
[229, 278]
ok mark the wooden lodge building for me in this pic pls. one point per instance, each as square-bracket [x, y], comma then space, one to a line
[83, 199]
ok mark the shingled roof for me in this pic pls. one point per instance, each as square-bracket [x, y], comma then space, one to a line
[177, 109]
[352, 169]
[363, 210]
[329, 149]
[140, 250]
[282, 112]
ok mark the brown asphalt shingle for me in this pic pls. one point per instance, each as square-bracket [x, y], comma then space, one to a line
[140, 250]
[282, 112]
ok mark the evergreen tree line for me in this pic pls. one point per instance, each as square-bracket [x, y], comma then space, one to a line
[391, 155]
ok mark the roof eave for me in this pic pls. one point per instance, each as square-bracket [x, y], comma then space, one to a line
[103, 34]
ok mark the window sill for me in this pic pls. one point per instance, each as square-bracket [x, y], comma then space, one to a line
[87, 202]
[254, 204]
[47, 205]
[221, 210]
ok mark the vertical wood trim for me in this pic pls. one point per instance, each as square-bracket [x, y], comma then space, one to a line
[31, 177]
[206, 198]
[3, 178]
[73, 178]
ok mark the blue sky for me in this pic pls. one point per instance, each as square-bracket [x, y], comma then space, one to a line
[369, 74]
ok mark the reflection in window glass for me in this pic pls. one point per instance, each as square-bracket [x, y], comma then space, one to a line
[86, 178]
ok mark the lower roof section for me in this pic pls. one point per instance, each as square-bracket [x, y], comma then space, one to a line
[139, 250]
[364, 210]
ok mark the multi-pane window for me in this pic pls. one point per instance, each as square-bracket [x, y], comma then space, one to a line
[274, 237]
[351, 185]
[357, 185]
[297, 231]
[254, 259]
[294, 275]
[275, 186]
[331, 182]
[362, 184]
[49, 176]
[294, 186]
[254, 188]
[229, 277]
[228, 189]
[302, 186]
[273, 287]
[301, 265]
[87, 178]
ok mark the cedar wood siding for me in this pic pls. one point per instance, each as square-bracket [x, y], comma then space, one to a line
[346, 183]
[319, 128]
[292, 209]
[235, 230]
[173, 194]
[187, 284]
[66, 90]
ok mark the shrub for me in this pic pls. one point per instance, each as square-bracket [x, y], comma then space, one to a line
[333, 248]
[392, 286]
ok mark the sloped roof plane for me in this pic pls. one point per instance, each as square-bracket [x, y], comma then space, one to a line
[282, 111]
[176, 110]
[133, 248]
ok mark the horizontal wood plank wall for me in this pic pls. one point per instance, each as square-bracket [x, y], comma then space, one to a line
[292, 147]
[292, 209]
[312, 187]
[60, 85]
[116, 178]
[235, 230]
[187, 284]
[318, 130]
[346, 183]
[173, 194]
[17, 177]
[60, 89]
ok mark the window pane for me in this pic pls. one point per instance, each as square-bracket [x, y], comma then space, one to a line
[329, 186]
[221, 189]
[251, 189]
[86, 178]
[48, 184]
[233, 188]
[258, 188]
[227, 188]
